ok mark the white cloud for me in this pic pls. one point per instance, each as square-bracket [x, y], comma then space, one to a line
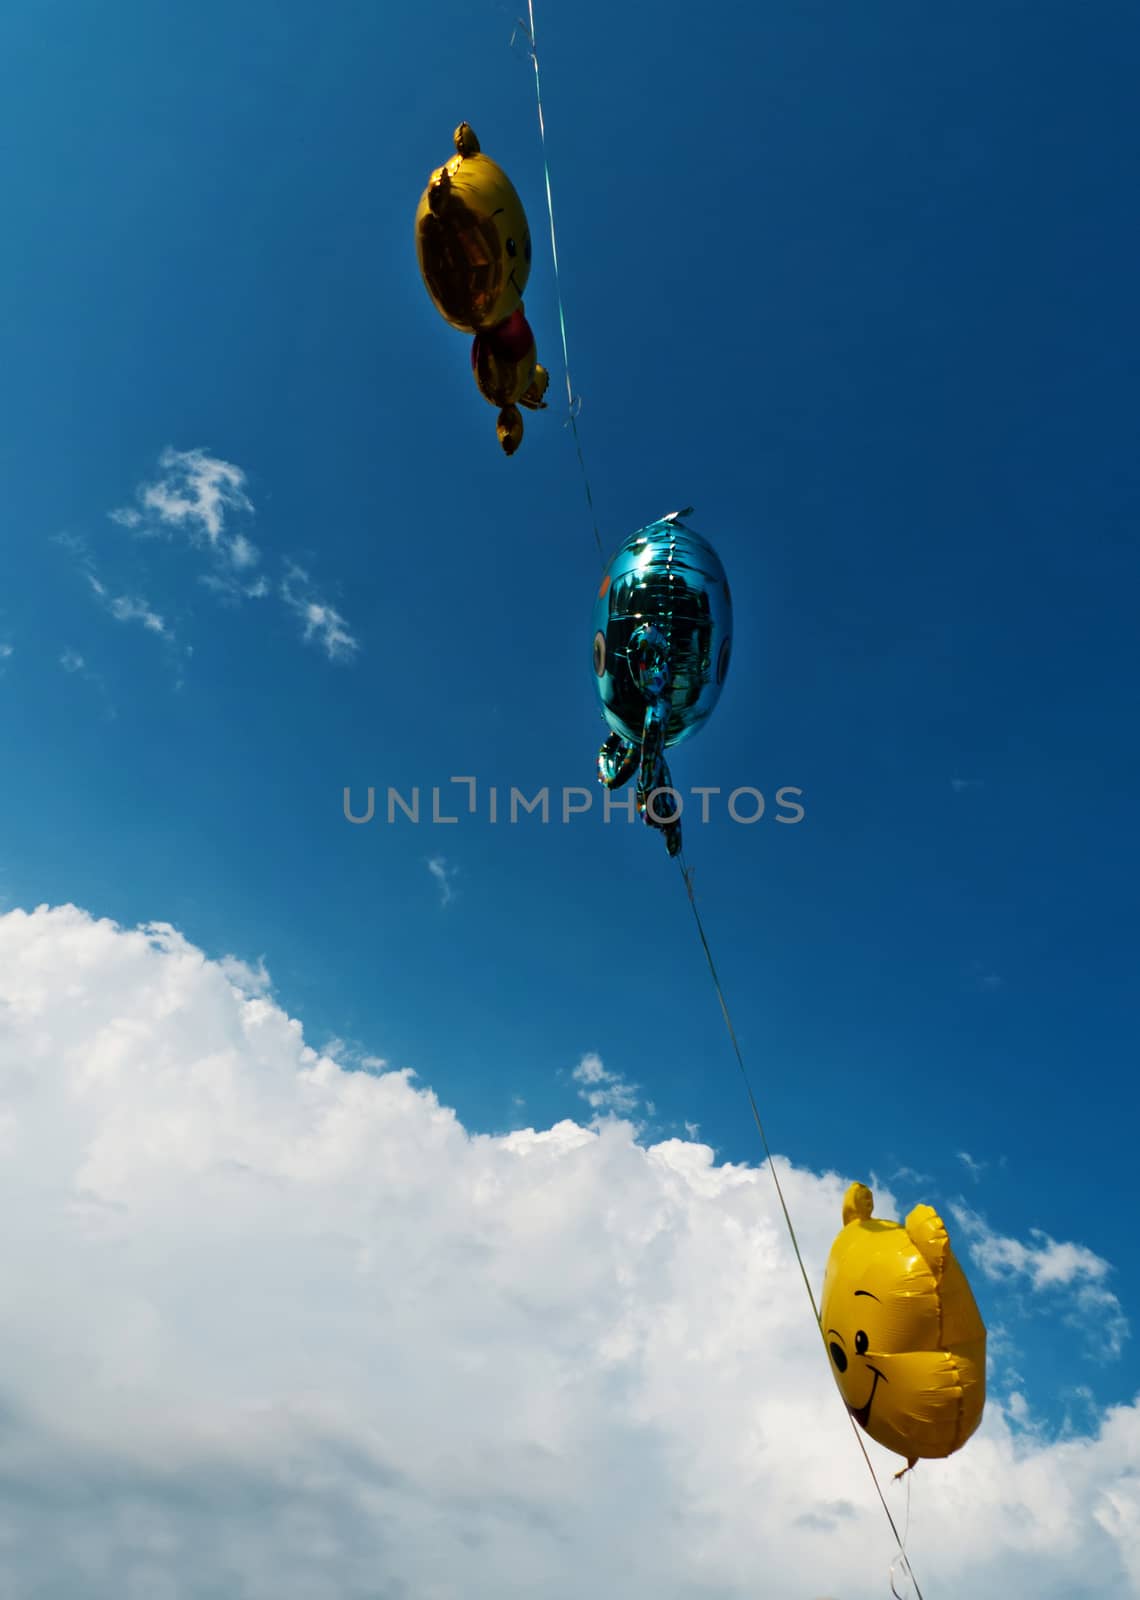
[75, 543]
[277, 1328]
[232, 589]
[196, 493]
[320, 619]
[247, 980]
[71, 661]
[242, 552]
[206, 499]
[1046, 1265]
[974, 1168]
[129, 608]
[5, 651]
[910, 1175]
[200, 495]
[133, 608]
[606, 1093]
[960, 784]
[443, 875]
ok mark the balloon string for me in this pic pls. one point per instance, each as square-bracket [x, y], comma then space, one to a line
[687, 876]
[902, 1557]
[573, 402]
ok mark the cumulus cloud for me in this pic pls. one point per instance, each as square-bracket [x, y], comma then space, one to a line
[321, 621]
[1047, 1265]
[277, 1327]
[6, 650]
[249, 980]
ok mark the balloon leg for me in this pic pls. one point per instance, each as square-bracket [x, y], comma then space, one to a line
[509, 428]
[533, 398]
[656, 799]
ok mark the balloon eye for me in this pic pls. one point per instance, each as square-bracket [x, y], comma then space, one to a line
[512, 247]
[600, 654]
[837, 1356]
[860, 1343]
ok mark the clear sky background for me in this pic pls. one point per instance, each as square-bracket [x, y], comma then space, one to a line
[857, 285]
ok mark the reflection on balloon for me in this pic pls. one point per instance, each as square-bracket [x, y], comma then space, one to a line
[904, 1334]
[473, 248]
[662, 631]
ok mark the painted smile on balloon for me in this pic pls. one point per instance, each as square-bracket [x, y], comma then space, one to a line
[511, 276]
[839, 1357]
[863, 1414]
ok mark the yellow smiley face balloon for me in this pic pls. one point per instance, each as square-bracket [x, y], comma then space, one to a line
[905, 1337]
[473, 248]
[472, 239]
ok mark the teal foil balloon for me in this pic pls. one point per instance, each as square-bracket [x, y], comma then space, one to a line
[662, 640]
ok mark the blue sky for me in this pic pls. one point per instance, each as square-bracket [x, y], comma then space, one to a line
[861, 289]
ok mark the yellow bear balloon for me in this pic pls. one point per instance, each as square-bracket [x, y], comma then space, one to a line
[905, 1337]
[473, 248]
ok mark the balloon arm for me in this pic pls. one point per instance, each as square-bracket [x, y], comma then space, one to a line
[617, 761]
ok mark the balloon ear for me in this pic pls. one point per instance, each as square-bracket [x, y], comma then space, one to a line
[439, 191]
[858, 1203]
[927, 1232]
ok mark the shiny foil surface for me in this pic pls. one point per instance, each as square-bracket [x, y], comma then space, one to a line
[669, 577]
[905, 1337]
